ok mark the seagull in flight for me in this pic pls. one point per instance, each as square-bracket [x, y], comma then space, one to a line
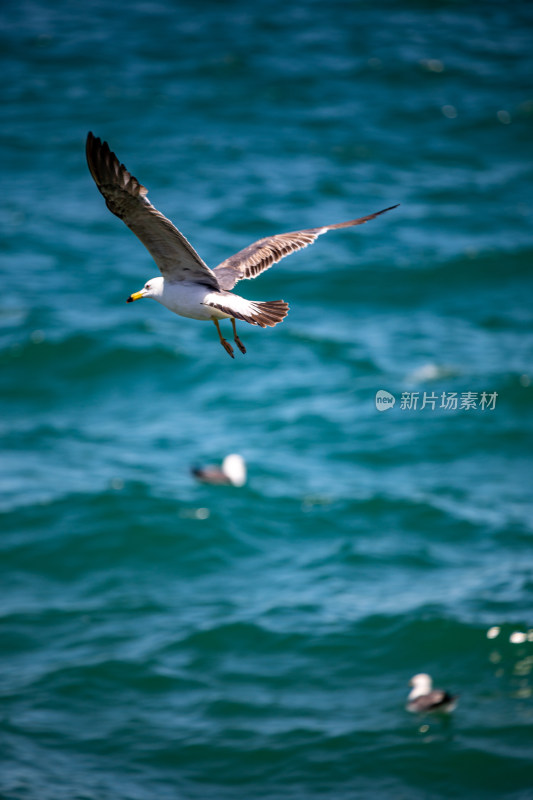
[187, 286]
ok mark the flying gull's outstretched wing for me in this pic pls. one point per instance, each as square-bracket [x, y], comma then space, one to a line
[126, 198]
[261, 255]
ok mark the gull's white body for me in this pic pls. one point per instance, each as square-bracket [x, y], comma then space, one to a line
[186, 298]
[192, 300]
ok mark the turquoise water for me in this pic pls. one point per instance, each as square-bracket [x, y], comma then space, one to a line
[164, 639]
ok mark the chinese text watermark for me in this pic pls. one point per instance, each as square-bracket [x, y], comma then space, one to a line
[448, 401]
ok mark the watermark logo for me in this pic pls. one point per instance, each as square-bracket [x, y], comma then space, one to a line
[384, 400]
[448, 401]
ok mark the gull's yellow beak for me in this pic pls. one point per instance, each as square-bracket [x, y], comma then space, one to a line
[135, 296]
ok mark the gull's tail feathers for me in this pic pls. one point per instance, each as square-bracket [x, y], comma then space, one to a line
[265, 314]
[268, 314]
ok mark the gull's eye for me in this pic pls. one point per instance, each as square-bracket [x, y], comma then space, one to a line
[147, 286]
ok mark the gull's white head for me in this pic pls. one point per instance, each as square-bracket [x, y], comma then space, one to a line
[152, 288]
[234, 468]
[421, 683]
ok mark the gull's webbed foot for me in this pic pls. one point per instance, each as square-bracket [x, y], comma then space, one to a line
[227, 347]
[239, 344]
[225, 344]
[236, 339]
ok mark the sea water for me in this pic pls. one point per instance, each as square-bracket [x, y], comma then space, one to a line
[165, 639]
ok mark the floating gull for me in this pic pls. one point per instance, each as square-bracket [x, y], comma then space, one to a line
[232, 472]
[187, 286]
[423, 698]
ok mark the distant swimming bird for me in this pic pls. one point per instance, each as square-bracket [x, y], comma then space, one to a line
[423, 698]
[188, 287]
[232, 472]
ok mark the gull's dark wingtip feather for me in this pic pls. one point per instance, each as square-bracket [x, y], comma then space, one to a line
[359, 220]
[105, 168]
[91, 145]
[92, 142]
[384, 211]
[95, 148]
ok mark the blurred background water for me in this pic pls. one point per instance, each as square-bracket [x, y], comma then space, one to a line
[162, 638]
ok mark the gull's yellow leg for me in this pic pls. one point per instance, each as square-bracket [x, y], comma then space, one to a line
[236, 339]
[226, 345]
